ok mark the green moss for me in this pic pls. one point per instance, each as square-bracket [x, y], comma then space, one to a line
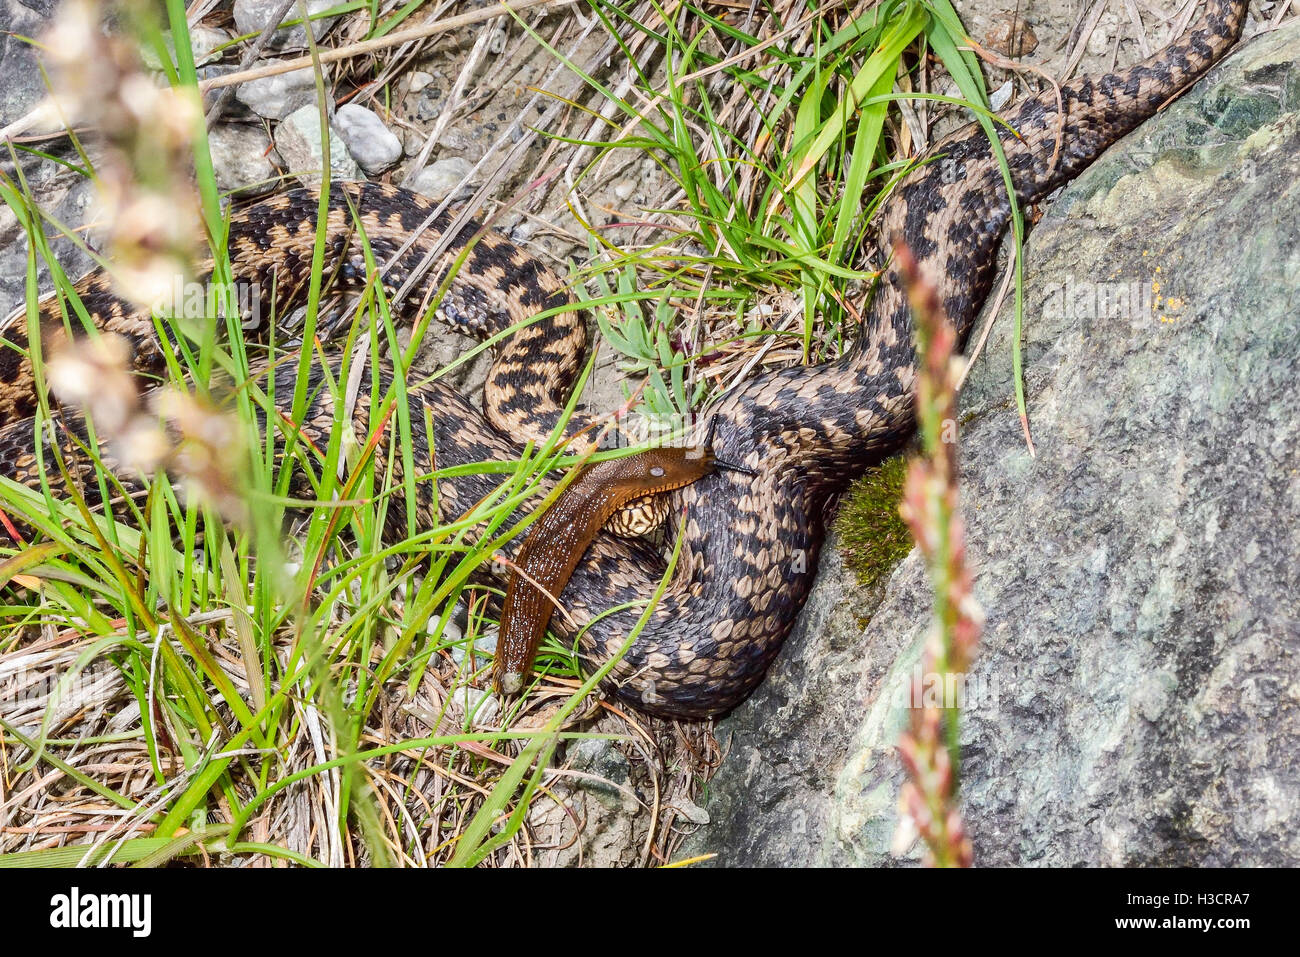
[873, 537]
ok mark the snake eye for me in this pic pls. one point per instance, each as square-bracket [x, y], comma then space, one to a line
[657, 471]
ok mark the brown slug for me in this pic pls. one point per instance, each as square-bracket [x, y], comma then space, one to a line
[559, 538]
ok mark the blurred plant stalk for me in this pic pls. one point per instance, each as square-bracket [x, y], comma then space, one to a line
[144, 173]
[929, 749]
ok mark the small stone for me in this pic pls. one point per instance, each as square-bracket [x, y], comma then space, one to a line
[1099, 42]
[298, 139]
[624, 189]
[600, 758]
[275, 97]
[1011, 36]
[439, 179]
[419, 80]
[371, 143]
[252, 16]
[234, 109]
[203, 41]
[471, 696]
[689, 810]
[242, 158]
[414, 142]
[1000, 96]
[485, 643]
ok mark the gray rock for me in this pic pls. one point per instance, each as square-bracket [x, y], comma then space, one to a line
[601, 796]
[613, 827]
[372, 144]
[21, 83]
[440, 178]
[242, 158]
[298, 139]
[600, 758]
[252, 16]
[275, 97]
[1136, 699]
[68, 197]
[234, 109]
[203, 44]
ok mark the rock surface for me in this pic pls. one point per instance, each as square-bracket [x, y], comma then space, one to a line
[1137, 695]
[21, 83]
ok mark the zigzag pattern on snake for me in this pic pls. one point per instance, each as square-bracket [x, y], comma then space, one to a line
[751, 543]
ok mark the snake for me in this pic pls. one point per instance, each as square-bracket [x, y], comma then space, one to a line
[748, 538]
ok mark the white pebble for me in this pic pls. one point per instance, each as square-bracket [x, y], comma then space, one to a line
[1000, 96]
[371, 143]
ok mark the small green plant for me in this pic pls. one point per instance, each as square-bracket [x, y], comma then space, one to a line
[873, 537]
[780, 160]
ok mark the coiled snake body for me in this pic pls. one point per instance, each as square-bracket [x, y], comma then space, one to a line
[751, 542]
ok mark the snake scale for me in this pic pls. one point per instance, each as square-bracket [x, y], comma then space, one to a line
[750, 542]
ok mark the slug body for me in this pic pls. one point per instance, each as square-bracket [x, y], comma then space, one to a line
[560, 537]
